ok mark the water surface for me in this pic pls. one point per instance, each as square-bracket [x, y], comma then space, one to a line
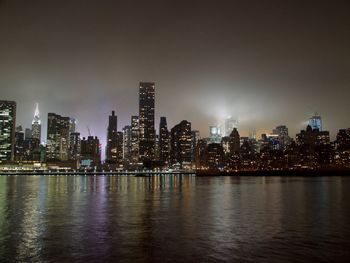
[174, 219]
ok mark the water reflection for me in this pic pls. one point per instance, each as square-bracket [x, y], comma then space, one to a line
[173, 218]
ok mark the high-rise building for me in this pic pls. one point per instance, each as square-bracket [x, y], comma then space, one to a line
[234, 141]
[215, 134]
[7, 130]
[90, 150]
[282, 132]
[19, 144]
[28, 133]
[134, 139]
[194, 140]
[181, 142]
[36, 124]
[112, 139]
[146, 121]
[230, 123]
[164, 140]
[74, 146]
[316, 122]
[127, 143]
[119, 147]
[72, 125]
[57, 138]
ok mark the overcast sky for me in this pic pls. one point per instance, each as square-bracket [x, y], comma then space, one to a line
[265, 62]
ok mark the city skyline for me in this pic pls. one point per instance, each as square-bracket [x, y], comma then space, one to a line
[267, 64]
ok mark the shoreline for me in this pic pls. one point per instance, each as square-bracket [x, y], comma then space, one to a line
[258, 173]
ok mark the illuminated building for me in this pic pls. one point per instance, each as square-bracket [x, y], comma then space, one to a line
[36, 124]
[201, 162]
[230, 124]
[225, 143]
[248, 155]
[315, 147]
[215, 156]
[146, 121]
[28, 133]
[112, 139]
[74, 146]
[134, 139]
[194, 140]
[283, 137]
[119, 147]
[57, 138]
[234, 141]
[234, 151]
[127, 143]
[19, 144]
[343, 148]
[164, 141]
[316, 122]
[215, 134]
[7, 130]
[90, 151]
[180, 149]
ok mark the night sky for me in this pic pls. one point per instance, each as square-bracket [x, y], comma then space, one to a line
[265, 62]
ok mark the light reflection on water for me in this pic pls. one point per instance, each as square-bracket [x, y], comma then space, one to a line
[174, 218]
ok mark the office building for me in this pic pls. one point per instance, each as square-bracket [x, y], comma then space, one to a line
[164, 141]
[146, 121]
[57, 138]
[134, 139]
[181, 143]
[7, 130]
[112, 139]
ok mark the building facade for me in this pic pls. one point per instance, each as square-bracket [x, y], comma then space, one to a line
[57, 138]
[146, 121]
[7, 130]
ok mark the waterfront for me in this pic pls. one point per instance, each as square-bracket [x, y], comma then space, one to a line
[174, 218]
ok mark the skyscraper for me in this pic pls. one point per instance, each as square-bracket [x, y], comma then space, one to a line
[36, 124]
[215, 134]
[112, 139]
[181, 142]
[316, 122]
[194, 140]
[7, 130]
[234, 141]
[283, 137]
[74, 146]
[91, 150]
[57, 138]
[164, 143]
[146, 121]
[127, 143]
[134, 139]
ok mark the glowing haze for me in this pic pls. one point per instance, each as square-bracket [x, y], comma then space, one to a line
[265, 62]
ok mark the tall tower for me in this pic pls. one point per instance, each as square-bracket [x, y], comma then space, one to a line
[57, 137]
[134, 139]
[146, 121]
[164, 143]
[36, 124]
[7, 130]
[112, 139]
[234, 141]
[181, 142]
